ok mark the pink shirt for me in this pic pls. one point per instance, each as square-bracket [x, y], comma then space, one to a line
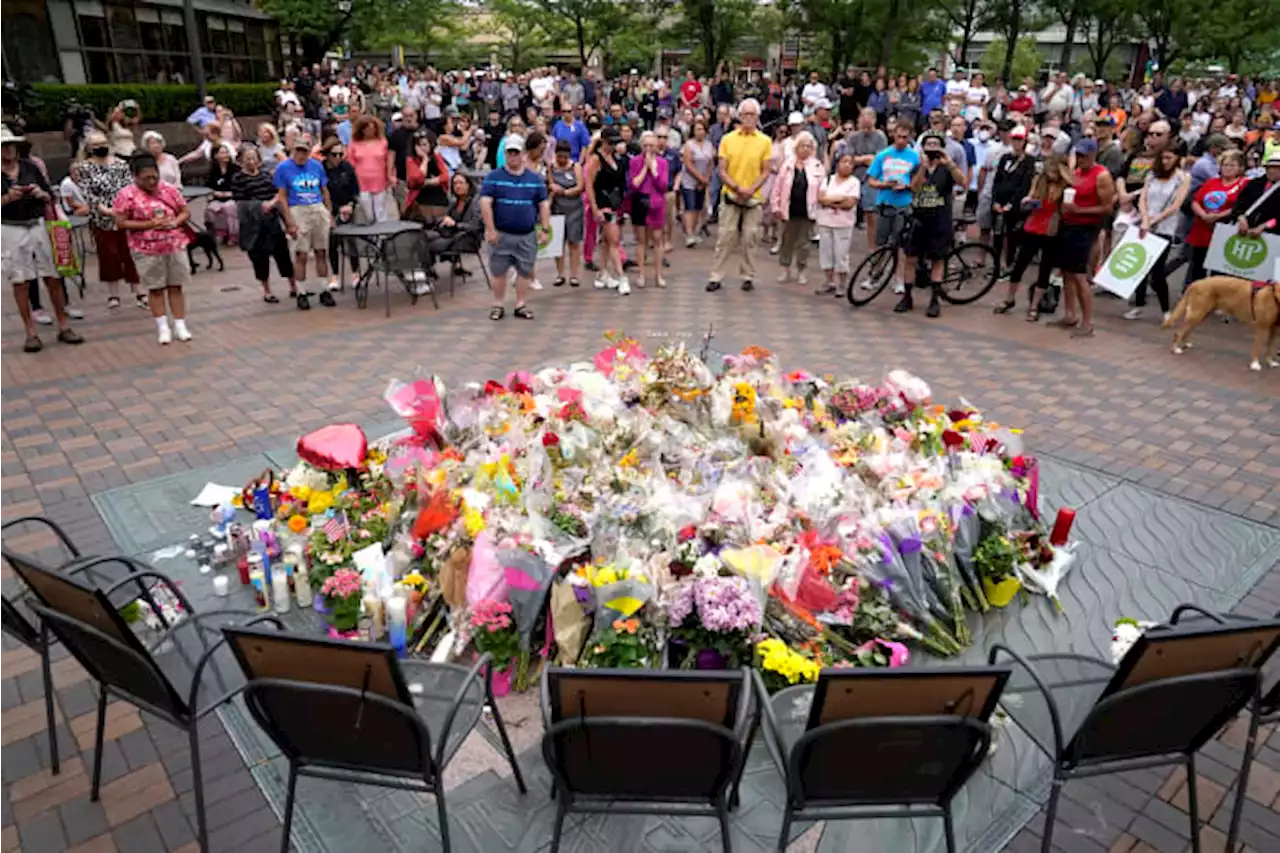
[369, 157]
[132, 203]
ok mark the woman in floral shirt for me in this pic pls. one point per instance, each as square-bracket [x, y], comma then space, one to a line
[102, 176]
[153, 215]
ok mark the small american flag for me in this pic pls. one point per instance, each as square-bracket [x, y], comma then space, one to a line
[335, 528]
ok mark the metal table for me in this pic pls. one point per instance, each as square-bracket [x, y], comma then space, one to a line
[197, 203]
[376, 236]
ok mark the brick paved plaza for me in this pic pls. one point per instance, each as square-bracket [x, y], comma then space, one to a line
[122, 410]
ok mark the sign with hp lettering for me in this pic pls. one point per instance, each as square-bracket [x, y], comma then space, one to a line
[1130, 261]
[1232, 253]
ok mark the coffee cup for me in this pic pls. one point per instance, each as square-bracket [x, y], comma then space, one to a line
[1069, 195]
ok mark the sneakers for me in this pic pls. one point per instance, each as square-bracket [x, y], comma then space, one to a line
[802, 279]
[624, 287]
[165, 335]
[1134, 313]
[420, 288]
[775, 248]
[748, 285]
[535, 284]
[326, 299]
[690, 242]
[304, 302]
[713, 286]
[899, 288]
[140, 299]
[332, 286]
[935, 307]
[904, 304]
[661, 283]
[180, 330]
[75, 313]
[601, 282]
[1164, 318]
[784, 276]
[42, 317]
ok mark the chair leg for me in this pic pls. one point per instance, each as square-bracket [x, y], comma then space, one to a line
[722, 812]
[197, 784]
[506, 743]
[444, 819]
[949, 829]
[1192, 804]
[561, 810]
[484, 269]
[742, 766]
[1051, 814]
[46, 672]
[1243, 783]
[288, 807]
[97, 743]
[784, 835]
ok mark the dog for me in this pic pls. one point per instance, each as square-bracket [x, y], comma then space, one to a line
[207, 241]
[1256, 303]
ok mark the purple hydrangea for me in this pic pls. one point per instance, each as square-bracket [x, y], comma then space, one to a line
[726, 604]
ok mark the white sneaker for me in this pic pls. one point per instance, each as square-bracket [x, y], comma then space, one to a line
[355, 279]
[1133, 314]
[602, 281]
[75, 313]
[802, 278]
[898, 288]
[180, 330]
[624, 287]
[1164, 318]
[535, 284]
[614, 282]
[421, 288]
[42, 318]
[333, 284]
[775, 248]
[784, 276]
[165, 335]
[662, 283]
[690, 242]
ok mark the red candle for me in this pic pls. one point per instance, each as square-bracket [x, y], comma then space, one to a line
[242, 565]
[1062, 526]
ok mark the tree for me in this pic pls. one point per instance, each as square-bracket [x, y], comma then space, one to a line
[1107, 24]
[1070, 13]
[525, 32]
[317, 25]
[1173, 26]
[1025, 62]
[1242, 32]
[836, 25]
[717, 26]
[1012, 18]
[590, 22]
[421, 26]
[966, 17]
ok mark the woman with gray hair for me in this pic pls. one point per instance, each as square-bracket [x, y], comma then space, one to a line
[794, 201]
[170, 171]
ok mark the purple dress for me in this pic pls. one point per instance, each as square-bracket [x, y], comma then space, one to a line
[654, 188]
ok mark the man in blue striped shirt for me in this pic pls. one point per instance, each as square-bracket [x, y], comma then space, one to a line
[513, 203]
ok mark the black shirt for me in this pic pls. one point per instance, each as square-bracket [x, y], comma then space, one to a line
[1268, 210]
[799, 204]
[219, 178]
[848, 102]
[1013, 178]
[344, 187]
[257, 187]
[401, 142]
[27, 207]
[933, 200]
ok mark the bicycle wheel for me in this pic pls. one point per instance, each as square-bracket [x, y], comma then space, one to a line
[872, 275]
[969, 271]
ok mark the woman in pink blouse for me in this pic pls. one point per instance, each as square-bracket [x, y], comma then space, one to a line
[375, 170]
[648, 180]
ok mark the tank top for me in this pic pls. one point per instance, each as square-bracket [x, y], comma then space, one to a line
[1086, 187]
[1160, 193]
[566, 179]
[703, 155]
[610, 185]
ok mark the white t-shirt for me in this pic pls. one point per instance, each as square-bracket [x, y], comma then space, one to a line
[286, 96]
[975, 98]
[836, 187]
[812, 93]
[431, 101]
[1228, 91]
[1200, 121]
[957, 89]
[541, 88]
[71, 195]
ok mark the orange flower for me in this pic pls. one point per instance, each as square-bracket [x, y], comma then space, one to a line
[632, 625]
[825, 557]
[759, 353]
[297, 523]
[617, 625]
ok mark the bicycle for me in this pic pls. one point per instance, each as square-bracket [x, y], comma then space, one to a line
[970, 270]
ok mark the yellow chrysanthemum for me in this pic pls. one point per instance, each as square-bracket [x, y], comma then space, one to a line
[473, 521]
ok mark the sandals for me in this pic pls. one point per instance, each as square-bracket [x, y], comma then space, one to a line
[559, 282]
[1033, 316]
[271, 299]
[113, 302]
[497, 313]
[33, 344]
[70, 336]
[141, 301]
[523, 312]
[1005, 307]
[573, 282]
[1083, 332]
[1063, 323]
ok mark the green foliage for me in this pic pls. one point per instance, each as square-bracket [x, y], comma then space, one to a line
[715, 28]
[158, 103]
[1027, 58]
[590, 24]
[420, 26]
[526, 32]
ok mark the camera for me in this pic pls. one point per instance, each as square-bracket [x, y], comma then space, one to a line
[933, 154]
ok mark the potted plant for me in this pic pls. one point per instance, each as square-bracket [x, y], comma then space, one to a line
[342, 596]
[993, 559]
[712, 620]
[493, 630]
[625, 644]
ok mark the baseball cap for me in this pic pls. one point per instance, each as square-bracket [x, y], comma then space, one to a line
[1107, 121]
[397, 116]
[822, 104]
[1099, 82]
[515, 143]
[1050, 132]
[1217, 140]
[795, 118]
[1086, 146]
[302, 141]
[1018, 133]
[1274, 159]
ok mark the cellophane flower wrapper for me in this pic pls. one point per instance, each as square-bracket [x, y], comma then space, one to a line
[967, 528]
[486, 579]
[1045, 581]
[899, 574]
[418, 402]
[528, 579]
[621, 600]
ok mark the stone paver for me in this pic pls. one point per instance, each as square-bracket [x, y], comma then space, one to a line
[122, 410]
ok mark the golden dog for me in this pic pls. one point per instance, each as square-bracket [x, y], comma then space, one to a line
[1257, 304]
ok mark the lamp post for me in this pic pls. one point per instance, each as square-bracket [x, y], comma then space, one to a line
[193, 47]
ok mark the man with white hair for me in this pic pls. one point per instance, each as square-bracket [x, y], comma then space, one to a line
[744, 165]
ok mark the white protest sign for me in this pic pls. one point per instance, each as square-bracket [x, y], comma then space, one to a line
[1130, 261]
[552, 245]
[1253, 258]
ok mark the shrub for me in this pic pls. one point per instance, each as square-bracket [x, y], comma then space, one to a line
[46, 108]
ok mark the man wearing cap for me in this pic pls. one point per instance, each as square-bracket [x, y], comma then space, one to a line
[1022, 102]
[1257, 208]
[1010, 183]
[513, 203]
[743, 166]
[820, 124]
[1110, 154]
[25, 252]
[302, 193]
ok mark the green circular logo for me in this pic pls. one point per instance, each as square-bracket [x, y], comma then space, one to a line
[1128, 260]
[1245, 252]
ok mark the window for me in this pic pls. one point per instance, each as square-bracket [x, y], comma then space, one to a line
[63, 21]
[93, 23]
[124, 28]
[151, 30]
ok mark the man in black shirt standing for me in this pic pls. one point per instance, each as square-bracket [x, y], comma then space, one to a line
[931, 237]
[25, 252]
[400, 143]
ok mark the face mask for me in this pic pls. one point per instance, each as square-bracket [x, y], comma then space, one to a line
[101, 151]
[984, 135]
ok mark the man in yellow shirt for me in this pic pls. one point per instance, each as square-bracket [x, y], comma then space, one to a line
[744, 166]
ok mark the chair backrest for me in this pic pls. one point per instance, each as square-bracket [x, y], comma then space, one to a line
[1173, 690]
[925, 732]
[97, 636]
[19, 627]
[333, 703]
[642, 735]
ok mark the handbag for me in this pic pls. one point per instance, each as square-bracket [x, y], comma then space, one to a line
[61, 242]
[640, 208]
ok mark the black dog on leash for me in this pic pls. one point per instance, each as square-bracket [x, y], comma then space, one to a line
[209, 242]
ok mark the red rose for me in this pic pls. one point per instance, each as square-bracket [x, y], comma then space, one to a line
[951, 438]
[1018, 462]
[491, 388]
[519, 387]
[687, 532]
[550, 439]
[958, 415]
[680, 570]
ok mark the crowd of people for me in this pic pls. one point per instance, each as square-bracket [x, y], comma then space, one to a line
[638, 166]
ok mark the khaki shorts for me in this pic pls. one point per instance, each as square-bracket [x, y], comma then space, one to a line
[156, 272]
[312, 221]
[26, 252]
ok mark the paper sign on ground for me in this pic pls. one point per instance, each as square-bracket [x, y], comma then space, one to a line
[1130, 261]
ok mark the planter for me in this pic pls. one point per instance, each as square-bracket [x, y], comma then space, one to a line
[1000, 594]
[320, 604]
[344, 615]
[678, 651]
[501, 680]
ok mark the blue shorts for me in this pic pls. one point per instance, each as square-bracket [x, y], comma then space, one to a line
[514, 250]
[694, 200]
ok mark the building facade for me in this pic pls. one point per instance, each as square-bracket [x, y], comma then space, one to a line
[122, 41]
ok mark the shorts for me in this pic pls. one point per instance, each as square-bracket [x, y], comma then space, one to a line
[869, 198]
[986, 216]
[931, 238]
[312, 222]
[514, 250]
[115, 263]
[694, 200]
[889, 224]
[1075, 244]
[156, 272]
[26, 252]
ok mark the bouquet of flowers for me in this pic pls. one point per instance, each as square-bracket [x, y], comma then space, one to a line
[781, 666]
[342, 591]
[712, 620]
[493, 631]
[624, 644]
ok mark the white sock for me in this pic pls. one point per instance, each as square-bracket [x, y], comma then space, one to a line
[302, 287]
[162, 322]
[179, 325]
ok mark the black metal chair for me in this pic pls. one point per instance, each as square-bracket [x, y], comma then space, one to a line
[344, 711]
[1170, 694]
[163, 678]
[455, 262]
[924, 731]
[19, 625]
[696, 723]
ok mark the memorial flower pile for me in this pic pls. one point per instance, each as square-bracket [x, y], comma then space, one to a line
[652, 509]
